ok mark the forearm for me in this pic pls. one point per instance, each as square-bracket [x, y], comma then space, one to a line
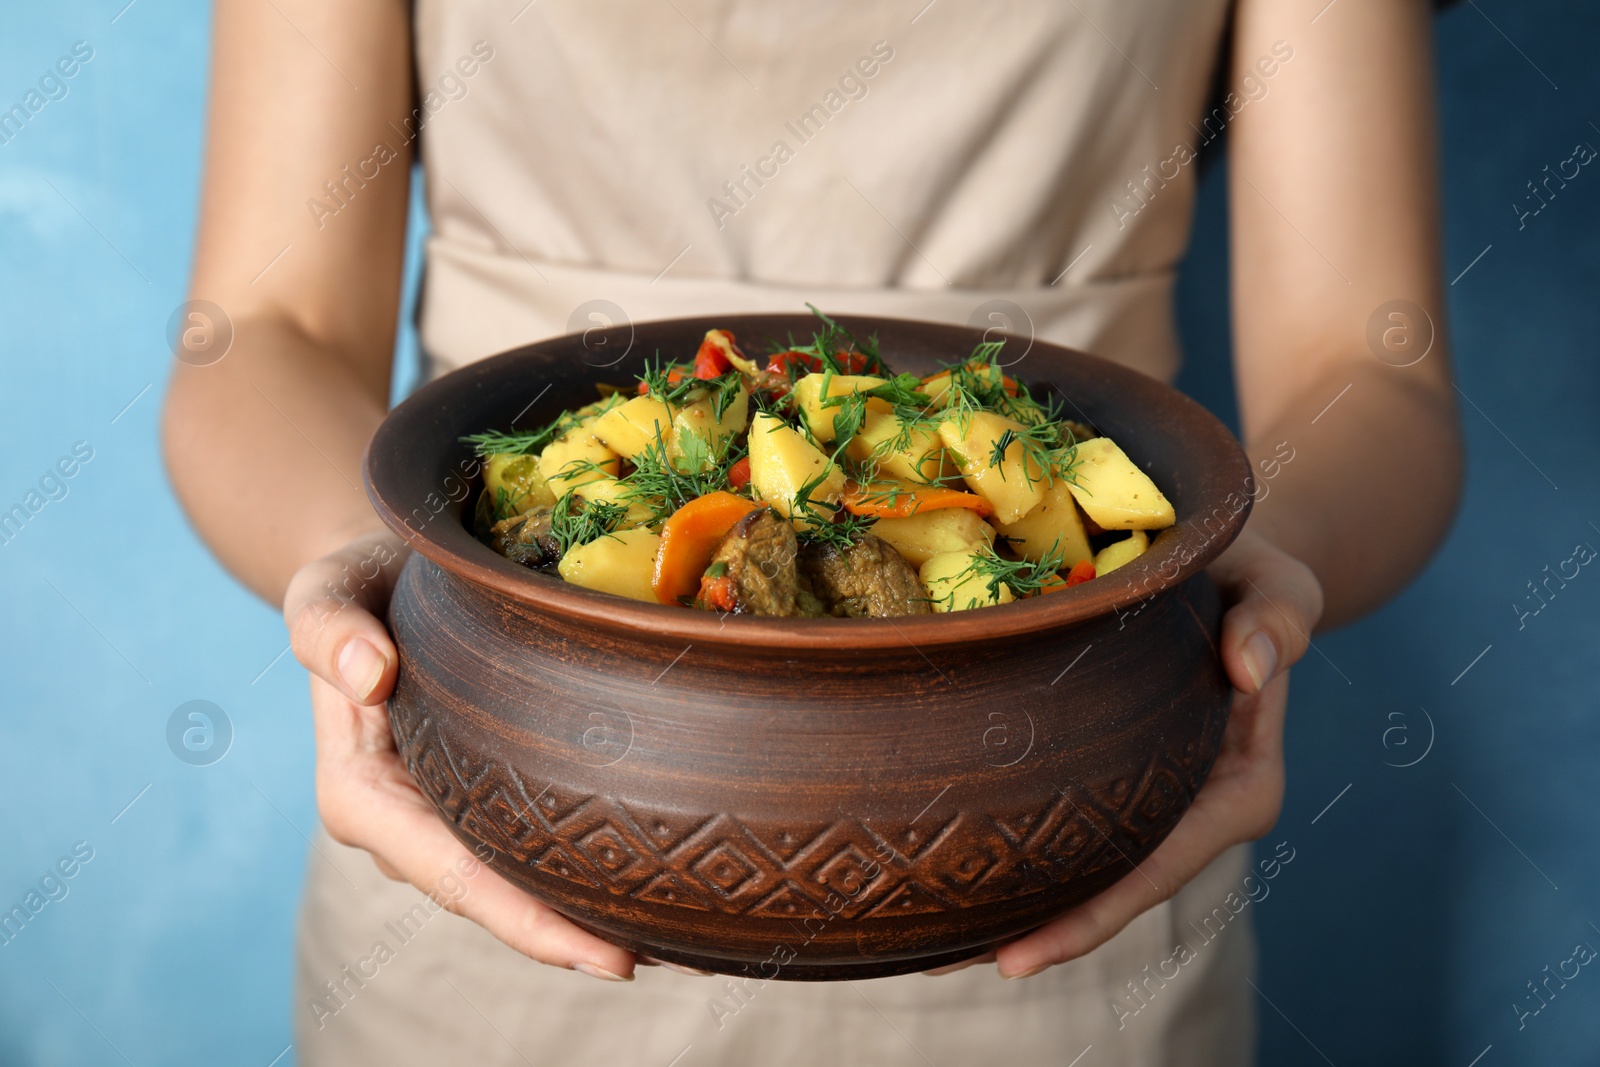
[264, 449]
[1370, 483]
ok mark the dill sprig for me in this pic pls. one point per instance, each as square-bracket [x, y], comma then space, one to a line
[907, 401]
[851, 413]
[903, 390]
[521, 442]
[842, 532]
[1022, 577]
[664, 486]
[1049, 446]
[656, 378]
[888, 496]
[573, 524]
[725, 390]
[829, 524]
[833, 339]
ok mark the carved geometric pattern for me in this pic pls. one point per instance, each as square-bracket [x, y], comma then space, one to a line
[861, 870]
[668, 888]
[788, 901]
[727, 870]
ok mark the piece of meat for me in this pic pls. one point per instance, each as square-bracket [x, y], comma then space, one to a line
[527, 539]
[757, 558]
[867, 579]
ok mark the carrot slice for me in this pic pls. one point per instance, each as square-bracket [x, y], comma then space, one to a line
[739, 473]
[1081, 572]
[902, 505]
[689, 540]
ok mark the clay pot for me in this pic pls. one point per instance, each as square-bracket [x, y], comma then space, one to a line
[816, 798]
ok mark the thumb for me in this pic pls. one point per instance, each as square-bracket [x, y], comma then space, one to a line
[1275, 604]
[333, 608]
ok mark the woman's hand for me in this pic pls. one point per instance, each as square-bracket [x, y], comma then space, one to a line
[1275, 604]
[364, 793]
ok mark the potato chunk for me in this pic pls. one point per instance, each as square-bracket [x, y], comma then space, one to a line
[922, 460]
[632, 426]
[1118, 553]
[699, 417]
[809, 396]
[954, 585]
[1015, 485]
[1052, 525]
[622, 563]
[612, 491]
[565, 462]
[934, 533]
[782, 462]
[1114, 492]
[985, 375]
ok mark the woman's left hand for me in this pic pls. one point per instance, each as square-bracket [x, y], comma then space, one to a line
[1275, 603]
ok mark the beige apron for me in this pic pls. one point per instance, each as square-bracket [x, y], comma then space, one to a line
[595, 162]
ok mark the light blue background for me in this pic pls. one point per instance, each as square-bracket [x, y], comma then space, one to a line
[1402, 932]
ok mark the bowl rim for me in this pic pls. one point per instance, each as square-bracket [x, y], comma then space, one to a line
[1176, 554]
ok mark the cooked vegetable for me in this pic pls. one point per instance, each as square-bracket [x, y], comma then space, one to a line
[809, 394]
[622, 563]
[936, 385]
[1119, 553]
[634, 425]
[897, 500]
[689, 541]
[1052, 526]
[933, 533]
[514, 485]
[955, 582]
[818, 484]
[574, 458]
[637, 510]
[1114, 492]
[790, 473]
[719, 349]
[714, 420]
[909, 449]
[994, 464]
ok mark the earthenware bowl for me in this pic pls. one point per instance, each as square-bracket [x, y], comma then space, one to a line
[817, 798]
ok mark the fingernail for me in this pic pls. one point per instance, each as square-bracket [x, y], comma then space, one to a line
[1025, 974]
[651, 961]
[361, 666]
[599, 972]
[939, 972]
[1260, 658]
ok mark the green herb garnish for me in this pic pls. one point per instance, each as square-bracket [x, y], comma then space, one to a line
[1022, 577]
[573, 523]
[664, 486]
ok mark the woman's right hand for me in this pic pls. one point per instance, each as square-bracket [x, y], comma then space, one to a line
[365, 795]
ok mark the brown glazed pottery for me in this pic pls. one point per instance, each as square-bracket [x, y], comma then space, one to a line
[803, 798]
